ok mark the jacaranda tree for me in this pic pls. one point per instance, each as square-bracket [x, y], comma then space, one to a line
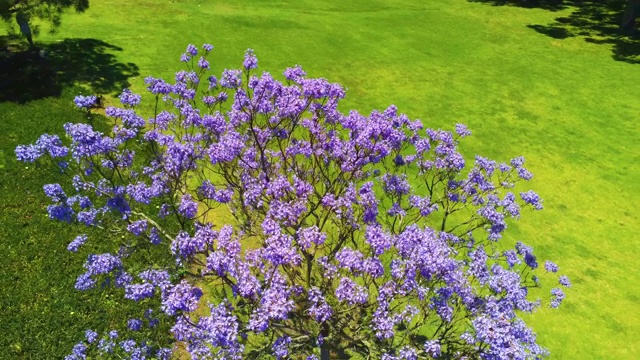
[349, 236]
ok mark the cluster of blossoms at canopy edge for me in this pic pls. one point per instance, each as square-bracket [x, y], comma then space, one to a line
[351, 233]
[85, 102]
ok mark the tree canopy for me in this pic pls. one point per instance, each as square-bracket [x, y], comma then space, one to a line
[48, 10]
[348, 236]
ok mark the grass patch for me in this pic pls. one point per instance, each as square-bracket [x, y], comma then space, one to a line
[42, 315]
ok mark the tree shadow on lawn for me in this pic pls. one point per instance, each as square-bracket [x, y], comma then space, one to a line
[31, 74]
[597, 21]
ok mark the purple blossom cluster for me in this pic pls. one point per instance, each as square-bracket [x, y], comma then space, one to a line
[85, 102]
[351, 232]
[108, 346]
[46, 144]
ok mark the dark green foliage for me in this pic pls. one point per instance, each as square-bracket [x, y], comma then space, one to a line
[49, 10]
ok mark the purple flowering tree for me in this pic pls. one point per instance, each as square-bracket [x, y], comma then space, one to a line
[352, 235]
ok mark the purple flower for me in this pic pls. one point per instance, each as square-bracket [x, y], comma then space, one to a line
[383, 323]
[462, 130]
[280, 347]
[181, 297]
[76, 243]
[295, 73]
[510, 205]
[228, 148]
[351, 292]
[85, 282]
[279, 250]
[522, 248]
[422, 204]
[432, 347]
[231, 79]
[558, 296]
[484, 164]
[378, 239]
[188, 207]
[91, 336]
[524, 174]
[310, 236]
[79, 352]
[564, 281]
[530, 260]
[517, 162]
[395, 185]
[467, 338]
[137, 292]
[399, 160]
[213, 82]
[134, 324]
[106, 346]
[250, 60]
[408, 353]
[85, 102]
[128, 98]
[350, 259]
[396, 210]
[156, 277]
[60, 212]
[102, 263]
[128, 345]
[28, 153]
[55, 192]
[203, 63]
[512, 258]
[119, 204]
[87, 217]
[319, 309]
[532, 198]
[208, 100]
[220, 327]
[154, 236]
[137, 228]
[157, 86]
[275, 304]
[495, 219]
[186, 246]
[192, 50]
[550, 266]
[207, 47]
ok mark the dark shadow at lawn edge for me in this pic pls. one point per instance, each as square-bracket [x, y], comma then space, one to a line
[596, 21]
[44, 71]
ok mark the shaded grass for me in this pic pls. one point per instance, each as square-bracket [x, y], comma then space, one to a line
[562, 103]
[32, 74]
[41, 314]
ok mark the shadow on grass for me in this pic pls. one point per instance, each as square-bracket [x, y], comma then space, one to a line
[31, 74]
[553, 5]
[597, 21]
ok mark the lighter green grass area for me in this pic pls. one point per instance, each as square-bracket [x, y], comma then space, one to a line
[565, 105]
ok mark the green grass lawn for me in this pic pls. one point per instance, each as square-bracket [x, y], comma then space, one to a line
[565, 104]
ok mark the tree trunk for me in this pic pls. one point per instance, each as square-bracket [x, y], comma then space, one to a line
[631, 12]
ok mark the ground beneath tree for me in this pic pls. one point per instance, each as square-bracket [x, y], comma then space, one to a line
[45, 70]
